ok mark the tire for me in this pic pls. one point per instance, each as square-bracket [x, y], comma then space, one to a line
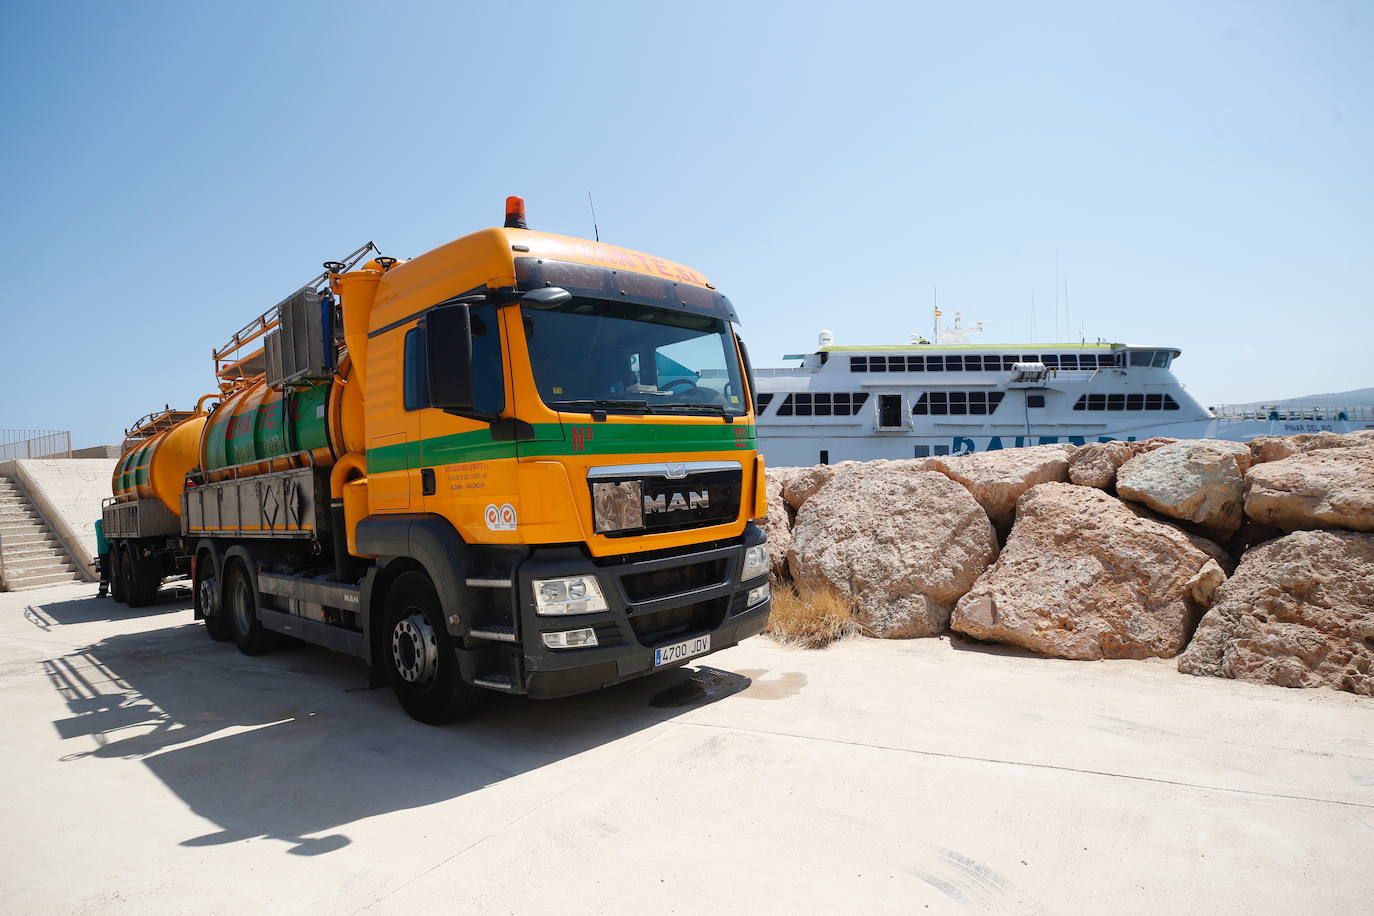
[419, 657]
[147, 579]
[116, 573]
[241, 603]
[128, 575]
[210, 599]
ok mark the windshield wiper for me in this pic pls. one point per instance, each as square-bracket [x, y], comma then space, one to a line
[605, 403]
[709, 408]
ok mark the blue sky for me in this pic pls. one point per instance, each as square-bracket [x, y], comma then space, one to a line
[1204, 170]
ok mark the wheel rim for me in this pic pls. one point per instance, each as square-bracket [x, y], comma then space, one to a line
[415, 649]
[208, 591]
[243, 607]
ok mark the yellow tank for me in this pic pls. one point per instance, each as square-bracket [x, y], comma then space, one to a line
[162, 451]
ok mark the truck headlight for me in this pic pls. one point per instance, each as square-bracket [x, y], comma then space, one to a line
[573, 595]
[755, 562]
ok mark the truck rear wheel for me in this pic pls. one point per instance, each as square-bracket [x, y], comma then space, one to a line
[419, 654]
[135, 593]
[207, 593]
[116, 571]
[241, 598]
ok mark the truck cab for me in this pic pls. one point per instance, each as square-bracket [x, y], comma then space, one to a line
[559, 436]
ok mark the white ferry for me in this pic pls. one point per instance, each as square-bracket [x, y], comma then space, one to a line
[953, 397]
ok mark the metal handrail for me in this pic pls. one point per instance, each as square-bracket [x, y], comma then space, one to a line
[35, 443]
[1294, 412]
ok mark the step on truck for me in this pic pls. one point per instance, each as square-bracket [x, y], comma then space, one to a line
[520, 462]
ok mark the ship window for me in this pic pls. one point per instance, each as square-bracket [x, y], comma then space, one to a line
[1147, 358]
[935, 364]
[922, 451]
[825, 456]
[1035, 400]
[942, 449]
[944, 403]
[954, 363]
[877, 364]
[1116, 402]
[762, 401]
[1069, 361]
[1009, 361]
[1051, 360]
[1108, 360]
[1097, 402]
[1080, 404]
[915, 364]
[1135, 402]
[896, 364]
[1170, 403]
[821, 404]
[1154, 402]
[858, 364]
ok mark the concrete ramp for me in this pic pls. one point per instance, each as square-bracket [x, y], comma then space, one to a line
[66, 494]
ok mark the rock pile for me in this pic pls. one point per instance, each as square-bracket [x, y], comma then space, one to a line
[1112, 550]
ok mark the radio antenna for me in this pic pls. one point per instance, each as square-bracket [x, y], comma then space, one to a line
[595, 231]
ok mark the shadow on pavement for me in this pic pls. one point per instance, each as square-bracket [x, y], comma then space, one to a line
[291, 746]
[90, 609]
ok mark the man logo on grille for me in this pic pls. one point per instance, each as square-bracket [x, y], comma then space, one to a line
[674, 502]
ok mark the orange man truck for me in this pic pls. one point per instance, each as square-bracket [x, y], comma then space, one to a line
[519, 462]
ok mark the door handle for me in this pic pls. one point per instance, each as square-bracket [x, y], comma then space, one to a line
[426, 481]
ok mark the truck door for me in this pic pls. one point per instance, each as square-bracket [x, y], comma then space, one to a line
[466, 475]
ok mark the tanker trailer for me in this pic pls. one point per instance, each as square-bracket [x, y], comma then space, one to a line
[142, 520]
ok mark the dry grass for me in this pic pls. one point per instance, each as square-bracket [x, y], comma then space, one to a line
[811, 617]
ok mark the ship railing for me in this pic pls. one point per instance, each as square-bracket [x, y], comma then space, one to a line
[1336, 412]
[782, 373]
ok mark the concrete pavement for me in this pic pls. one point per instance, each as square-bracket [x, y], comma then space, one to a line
[147, 768]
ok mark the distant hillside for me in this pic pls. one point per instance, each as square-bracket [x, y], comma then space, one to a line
[1359, 397]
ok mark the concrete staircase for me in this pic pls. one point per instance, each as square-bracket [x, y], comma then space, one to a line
[31, 556]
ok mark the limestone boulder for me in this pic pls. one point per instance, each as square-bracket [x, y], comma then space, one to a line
[1330, 488]
[1083, 576]
[1195, 480]
[1315, 442]
[778, 524]
[900, 543]
[1095, 464]
[801, 485]
[1272, 448]
[1299, 612]
[998, 478]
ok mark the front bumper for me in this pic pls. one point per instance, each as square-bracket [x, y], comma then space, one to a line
[652, 601]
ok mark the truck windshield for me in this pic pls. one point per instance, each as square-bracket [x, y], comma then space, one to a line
[620, 357]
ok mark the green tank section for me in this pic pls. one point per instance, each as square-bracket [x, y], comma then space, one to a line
[260, 423]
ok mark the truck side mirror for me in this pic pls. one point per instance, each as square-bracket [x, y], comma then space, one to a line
[448, 357]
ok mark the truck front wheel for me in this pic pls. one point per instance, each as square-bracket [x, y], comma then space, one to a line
[419, 654]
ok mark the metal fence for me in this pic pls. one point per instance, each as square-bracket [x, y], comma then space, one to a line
[35, 443]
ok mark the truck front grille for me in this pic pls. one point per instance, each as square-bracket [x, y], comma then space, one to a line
[675, 580]
[665, 626]
[695, 501]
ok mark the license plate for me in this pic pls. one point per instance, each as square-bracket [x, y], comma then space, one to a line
[677, 652]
